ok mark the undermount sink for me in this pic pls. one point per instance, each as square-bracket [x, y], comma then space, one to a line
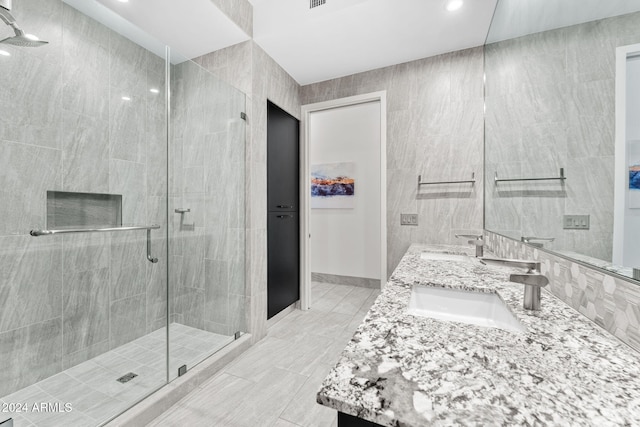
[475, 308]
[436, 256]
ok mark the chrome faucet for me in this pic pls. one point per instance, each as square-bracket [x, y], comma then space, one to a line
[532, 280]
[535, 241]
[477, 241]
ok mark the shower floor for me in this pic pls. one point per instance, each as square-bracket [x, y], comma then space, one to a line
[91, 388]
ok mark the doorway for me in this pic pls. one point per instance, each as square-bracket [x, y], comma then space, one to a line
[344, 230]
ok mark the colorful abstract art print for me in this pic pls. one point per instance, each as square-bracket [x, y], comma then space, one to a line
[634, 174]
[333, 186]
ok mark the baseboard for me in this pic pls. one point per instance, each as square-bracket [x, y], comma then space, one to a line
[336, 279]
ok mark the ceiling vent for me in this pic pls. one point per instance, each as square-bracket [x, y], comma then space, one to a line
[316, 3]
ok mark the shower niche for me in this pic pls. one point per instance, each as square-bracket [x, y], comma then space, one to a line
[79, 210]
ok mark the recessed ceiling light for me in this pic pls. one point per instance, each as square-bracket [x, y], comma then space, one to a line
[154, 90]
[4, 53]
[123, 1]
[452, 5]
[32, 37]
[126, 98]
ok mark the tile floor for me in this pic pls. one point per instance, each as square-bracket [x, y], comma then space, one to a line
[275, 382]
[91, 386]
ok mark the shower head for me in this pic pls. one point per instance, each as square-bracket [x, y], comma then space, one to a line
[23, 41]
[20, 39]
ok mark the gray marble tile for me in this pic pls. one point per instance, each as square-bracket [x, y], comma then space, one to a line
[127, 65]
[128, 271]
[193, 306]
[127, 131]
[129, 179]
[193, 263]
[87, 251]
[30, 281]
[217, 291]
[32, 100]
[35, 354]
[85, 308]
[127, 320]
[86, 82]
[303, 409]
[25, 194]
[85, 153]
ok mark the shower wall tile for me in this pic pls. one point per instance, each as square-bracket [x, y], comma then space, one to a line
[217, 292]
[86, 308]
[193, 307]
[127, 130]
[128, 65]
[82, 252]
[24, 194]
[30, 281]
[33, 90]
[85, 147]
[129, 180]
[128, 318]
[30, 354]
[85, 62]
[128, 264]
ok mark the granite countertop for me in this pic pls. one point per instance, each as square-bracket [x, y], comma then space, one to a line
[403, 370]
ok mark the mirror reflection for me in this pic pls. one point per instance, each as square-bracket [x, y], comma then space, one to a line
[556, 178]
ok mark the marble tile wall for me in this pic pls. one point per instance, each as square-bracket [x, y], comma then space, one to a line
[247, 67]
[64, 126]
[207, 176]
[550, 104]
[434, 129]
[610, 302]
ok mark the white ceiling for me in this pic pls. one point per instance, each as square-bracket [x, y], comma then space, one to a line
[344, 37]
[190, 31]
[341, 37]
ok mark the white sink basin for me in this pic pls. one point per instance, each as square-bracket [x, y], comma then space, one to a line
[433, 256]
[475, 308]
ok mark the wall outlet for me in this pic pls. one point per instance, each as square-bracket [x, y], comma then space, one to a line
[408, 219]
[576, 222]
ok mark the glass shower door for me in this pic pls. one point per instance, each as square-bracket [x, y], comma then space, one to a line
[206, 226]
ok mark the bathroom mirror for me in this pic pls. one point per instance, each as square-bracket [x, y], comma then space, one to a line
[550, 132]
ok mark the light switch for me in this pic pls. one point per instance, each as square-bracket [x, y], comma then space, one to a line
[576, 222]
[408, 219]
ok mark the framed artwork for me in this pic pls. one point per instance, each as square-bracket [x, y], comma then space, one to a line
[333, 186]
[634, 174]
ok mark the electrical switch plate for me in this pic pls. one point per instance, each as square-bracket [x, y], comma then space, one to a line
[408, 219]
[576, 222]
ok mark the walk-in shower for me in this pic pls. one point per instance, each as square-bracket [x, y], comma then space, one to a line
[122, 206]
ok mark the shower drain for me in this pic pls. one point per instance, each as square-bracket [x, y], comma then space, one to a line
[127, 377]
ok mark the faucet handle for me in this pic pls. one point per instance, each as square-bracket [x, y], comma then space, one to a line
[537, 280]
[471, 236]
[531, 266]
[527, 239]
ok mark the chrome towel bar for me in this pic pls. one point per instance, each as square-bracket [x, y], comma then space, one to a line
[560, 178]
[470, 181]
[37, 233]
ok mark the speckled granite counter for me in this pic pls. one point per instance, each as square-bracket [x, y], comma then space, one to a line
[402, 370]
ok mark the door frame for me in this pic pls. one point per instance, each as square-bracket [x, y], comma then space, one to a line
[305, 173]
[621, 183]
